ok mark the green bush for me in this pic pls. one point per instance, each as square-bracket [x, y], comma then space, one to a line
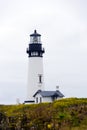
[69, 113]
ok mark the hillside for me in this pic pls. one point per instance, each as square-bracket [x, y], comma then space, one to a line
[64, 114]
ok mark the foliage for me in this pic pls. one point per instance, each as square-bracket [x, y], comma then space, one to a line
[63, 114]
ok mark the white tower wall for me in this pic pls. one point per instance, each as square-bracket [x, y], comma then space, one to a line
[35, 69]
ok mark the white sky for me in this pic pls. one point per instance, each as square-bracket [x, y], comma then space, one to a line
[63, 26]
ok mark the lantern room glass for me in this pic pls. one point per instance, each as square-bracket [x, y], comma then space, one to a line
[35, 39]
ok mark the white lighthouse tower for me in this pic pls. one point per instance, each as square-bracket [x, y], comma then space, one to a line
[35, 68]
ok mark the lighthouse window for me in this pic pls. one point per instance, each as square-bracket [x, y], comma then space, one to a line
[38, 39]
[35, 39]
[40, 78]
[34, 54]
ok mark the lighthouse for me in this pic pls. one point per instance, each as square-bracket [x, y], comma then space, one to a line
[35, 53]
[35, 86]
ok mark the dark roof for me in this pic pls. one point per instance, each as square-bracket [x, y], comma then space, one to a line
[56, 93]
[35, 33]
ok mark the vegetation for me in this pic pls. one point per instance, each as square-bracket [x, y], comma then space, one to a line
[63, 114]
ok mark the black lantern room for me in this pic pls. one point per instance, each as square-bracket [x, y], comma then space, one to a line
[35, 47]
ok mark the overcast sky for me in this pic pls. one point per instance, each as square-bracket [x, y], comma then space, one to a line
[63, 26]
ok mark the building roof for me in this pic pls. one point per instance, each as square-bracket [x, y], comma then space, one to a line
[56, 93]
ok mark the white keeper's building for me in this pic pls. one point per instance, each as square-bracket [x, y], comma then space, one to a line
[35, 86]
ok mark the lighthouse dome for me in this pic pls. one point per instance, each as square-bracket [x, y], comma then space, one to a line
[35, 47]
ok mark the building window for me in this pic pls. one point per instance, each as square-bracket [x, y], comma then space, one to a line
[36, 99]
[40, 99]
